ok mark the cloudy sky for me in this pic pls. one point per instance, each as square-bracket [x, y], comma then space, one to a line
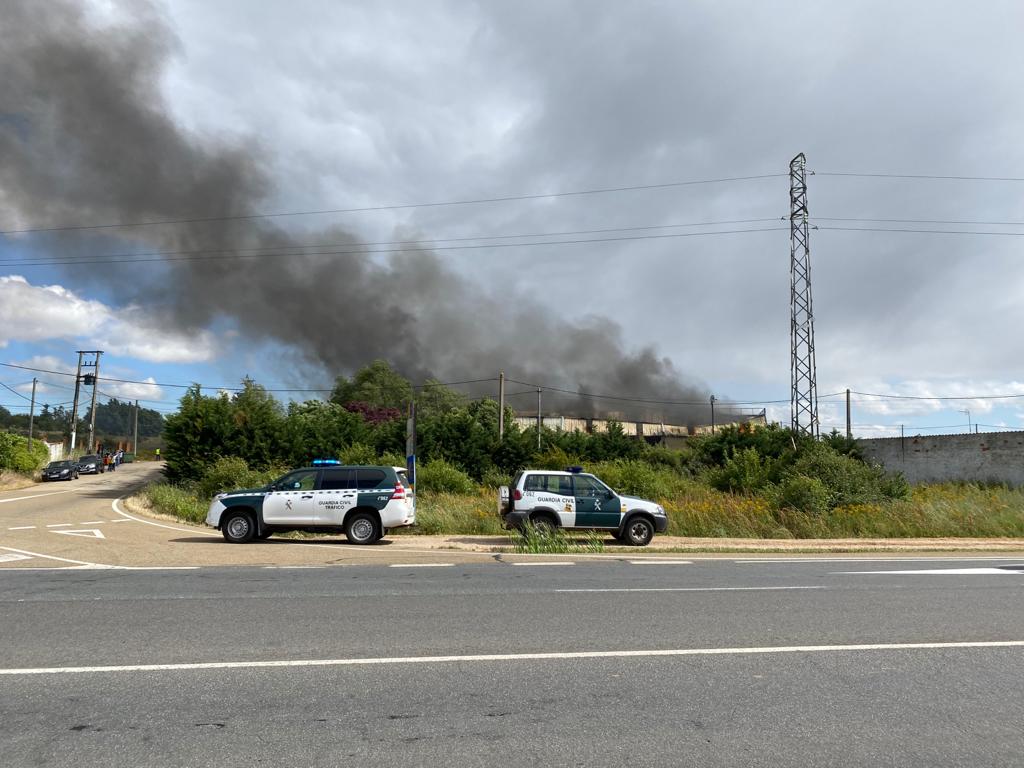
[128, 112]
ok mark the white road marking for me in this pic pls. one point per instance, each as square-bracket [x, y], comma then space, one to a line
[10, 557]
[77, 563]
[85, 533]
[661, 562]
[795, 560]
[92, 522]
[767, 650]
[421, 565]
[21, 528]
[685, 589]
[133, 520]
[549, 562]
[35, 496]
[947, 572]
[59, 525]
[292, 567]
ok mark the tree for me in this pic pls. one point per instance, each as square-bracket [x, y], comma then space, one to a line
[258, 422]
[377, 385]
[197, 435]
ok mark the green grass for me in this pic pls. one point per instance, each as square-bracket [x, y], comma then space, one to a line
[541, 540]
[694, 509]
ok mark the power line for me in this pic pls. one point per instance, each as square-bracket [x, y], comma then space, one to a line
[278, 250]
[922, 221]
[472, 201]
[915, 176]
[920, 231]
[923, 397]
[367, 252]
[12, 389]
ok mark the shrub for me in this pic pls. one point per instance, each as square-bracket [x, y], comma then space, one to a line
[531, 539]
[358, 453]
[638, 478]
[440, 476]
[232, 473]
[805, 494]
[848, 480]
[177, 501]
[15, 455]
[745, 471]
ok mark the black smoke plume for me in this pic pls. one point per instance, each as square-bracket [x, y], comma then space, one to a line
[86, 137]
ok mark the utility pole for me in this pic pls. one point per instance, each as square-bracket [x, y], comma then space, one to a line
[539, 421]
[849, 431]
[803, 376]
[74, 408]
[712, 414]
[135, 431]
[32, 414]
[501, 406]
[95, 365]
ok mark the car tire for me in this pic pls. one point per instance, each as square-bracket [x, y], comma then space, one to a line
[238, 528]
[543, 524]
[638, 532]
[362, 528]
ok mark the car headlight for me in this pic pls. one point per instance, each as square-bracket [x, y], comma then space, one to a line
[659, 510]
[64, 471]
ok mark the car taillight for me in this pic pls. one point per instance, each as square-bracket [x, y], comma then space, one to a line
[399, 491]
[518, 495]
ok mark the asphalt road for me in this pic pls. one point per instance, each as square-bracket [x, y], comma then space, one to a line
[831, 661]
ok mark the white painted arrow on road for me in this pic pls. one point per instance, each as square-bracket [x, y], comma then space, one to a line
[87, 532]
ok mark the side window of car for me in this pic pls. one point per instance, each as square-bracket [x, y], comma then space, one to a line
[336, 480]
[303, 480]
[536, 482]
[367, 479]
[589, 487]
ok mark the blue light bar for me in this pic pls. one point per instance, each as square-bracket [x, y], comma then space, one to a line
[325, 462]
[574, 470]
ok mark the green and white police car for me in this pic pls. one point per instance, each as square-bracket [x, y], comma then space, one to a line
[363, 502]
[576, 499]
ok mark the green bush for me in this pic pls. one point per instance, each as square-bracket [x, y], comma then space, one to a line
[805, 494]
[745, 471]
[358, 453]
[638, 478]
[177, 501]
[440, 476]
[848, 480]
[15, 455]
[232, 473]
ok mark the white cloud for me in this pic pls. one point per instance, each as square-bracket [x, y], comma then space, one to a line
[62, 387]
[35, 313]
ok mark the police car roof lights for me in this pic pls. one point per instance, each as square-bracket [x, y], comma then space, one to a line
[574, 470]
[325, 462]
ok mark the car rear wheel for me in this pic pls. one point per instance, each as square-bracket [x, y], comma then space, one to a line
[638, 532]
[238, 528]
[362, 528]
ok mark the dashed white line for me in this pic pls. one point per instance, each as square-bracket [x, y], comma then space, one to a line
[59, 525]
[93, 522]
[22, 528]
[550, 562]
[35, 496]
[661, 562]
[421, 565]
[677, 652]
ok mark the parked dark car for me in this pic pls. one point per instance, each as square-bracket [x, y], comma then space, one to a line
[60, 470]
[90, 465]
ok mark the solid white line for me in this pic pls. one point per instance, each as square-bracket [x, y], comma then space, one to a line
[421, 565]
[92, 522]
[133, 520]
[793, 560]
[59, 525]
[685, 589]
[21, 528]
[939, 572]
[79, 563]
[550, 562]
[512, 657]
[292, 567]
[35, 496]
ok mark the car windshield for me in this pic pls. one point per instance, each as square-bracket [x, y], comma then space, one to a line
[88, 458]
[59, 465]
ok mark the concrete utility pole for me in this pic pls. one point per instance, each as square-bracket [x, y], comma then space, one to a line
[95, 384]
[135, 431]
[539, 421]
[712, 414]
[74, 407]
[803, 374]
[32, 414]
[849, 431]
[501, 406]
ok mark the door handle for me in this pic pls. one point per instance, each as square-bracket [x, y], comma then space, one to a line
[310, 496]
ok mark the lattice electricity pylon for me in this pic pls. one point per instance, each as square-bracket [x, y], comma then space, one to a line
[804, 395]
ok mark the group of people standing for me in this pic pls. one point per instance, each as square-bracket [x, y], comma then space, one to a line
[112, 460]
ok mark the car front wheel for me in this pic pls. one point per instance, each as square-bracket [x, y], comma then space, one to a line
[238, 528]
[638, 532]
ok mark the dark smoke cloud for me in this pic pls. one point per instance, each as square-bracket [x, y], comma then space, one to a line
[87, 137]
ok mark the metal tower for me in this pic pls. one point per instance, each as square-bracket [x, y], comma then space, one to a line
[804, 395]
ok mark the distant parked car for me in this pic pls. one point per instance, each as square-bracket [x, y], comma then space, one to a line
[60, 470]
[90, 465]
